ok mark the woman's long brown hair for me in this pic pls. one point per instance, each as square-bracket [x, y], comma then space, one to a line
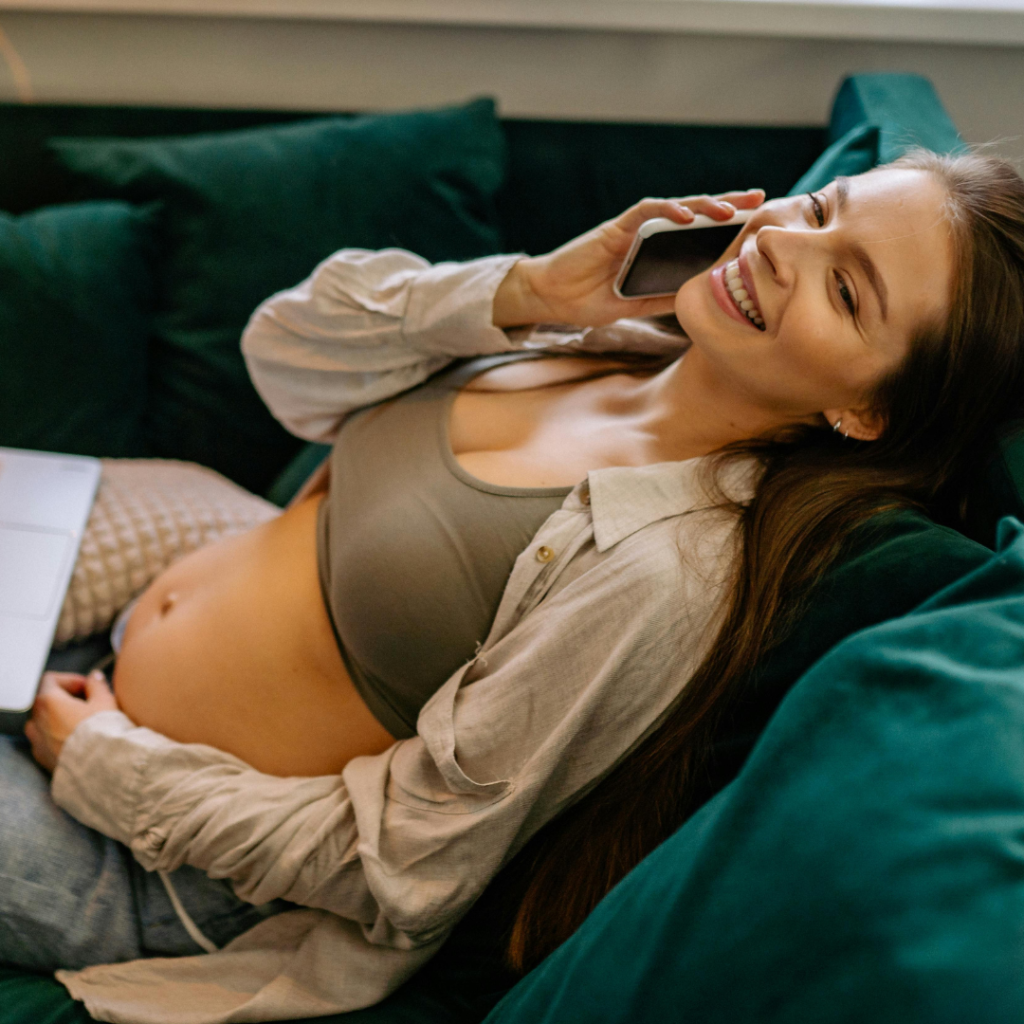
[962, 380]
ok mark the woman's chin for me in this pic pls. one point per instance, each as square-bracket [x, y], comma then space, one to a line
[702, 310]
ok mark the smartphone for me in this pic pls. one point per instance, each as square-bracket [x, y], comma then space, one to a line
[665, 254]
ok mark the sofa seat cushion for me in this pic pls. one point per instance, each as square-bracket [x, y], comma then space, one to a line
[247, 213]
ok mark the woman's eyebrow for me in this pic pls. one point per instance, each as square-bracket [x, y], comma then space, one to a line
[860, 254]
[842, 191]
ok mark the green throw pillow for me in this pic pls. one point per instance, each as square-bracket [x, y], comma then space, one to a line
[905, 107]
[875, 119]
[888, 567]
[248, 213]
[866, 865]
[75, 307]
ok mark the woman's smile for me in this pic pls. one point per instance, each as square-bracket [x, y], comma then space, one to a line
[739, 280]
[724, 290]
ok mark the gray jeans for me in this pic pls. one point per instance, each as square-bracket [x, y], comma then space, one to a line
[70, 897]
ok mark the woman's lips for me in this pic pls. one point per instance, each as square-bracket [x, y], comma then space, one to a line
[748, 281]
[723, 298]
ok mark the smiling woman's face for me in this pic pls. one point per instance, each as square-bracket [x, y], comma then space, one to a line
[841, 281]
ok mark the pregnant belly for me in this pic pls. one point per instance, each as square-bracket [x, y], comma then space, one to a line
[232, 647]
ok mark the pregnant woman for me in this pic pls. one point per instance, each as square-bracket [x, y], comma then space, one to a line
[537, 559]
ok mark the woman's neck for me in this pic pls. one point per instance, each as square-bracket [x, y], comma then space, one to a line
[693, 412]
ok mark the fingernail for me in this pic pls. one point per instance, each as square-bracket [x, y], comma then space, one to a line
[97, 674]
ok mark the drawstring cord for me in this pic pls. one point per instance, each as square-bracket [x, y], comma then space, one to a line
[183, 916]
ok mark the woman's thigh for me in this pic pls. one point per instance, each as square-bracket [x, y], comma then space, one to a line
[70, 897]
[65, 890]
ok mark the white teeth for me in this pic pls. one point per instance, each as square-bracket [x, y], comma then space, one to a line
[734, 282]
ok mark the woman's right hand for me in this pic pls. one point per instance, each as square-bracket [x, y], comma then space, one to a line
[573, 284]
[64, 701]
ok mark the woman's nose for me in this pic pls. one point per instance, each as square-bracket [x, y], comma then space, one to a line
[781, 246]
[767, 242]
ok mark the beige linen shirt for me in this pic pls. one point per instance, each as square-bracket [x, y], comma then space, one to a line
[605, 616]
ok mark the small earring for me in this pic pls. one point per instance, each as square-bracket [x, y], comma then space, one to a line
[838, 423]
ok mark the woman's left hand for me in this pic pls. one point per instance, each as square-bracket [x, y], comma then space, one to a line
[64, 701]
[573, 284]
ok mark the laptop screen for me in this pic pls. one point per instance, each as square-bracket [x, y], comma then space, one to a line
[44, 505]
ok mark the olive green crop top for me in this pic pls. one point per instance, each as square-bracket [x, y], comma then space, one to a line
[414, 552]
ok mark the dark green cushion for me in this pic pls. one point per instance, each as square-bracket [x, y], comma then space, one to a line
[30, 175]
[875, 119]
[890, 566]
[866, 865]
[33, 999]
[905, 107]
[75, 303]
[297, 472]
[248, 213]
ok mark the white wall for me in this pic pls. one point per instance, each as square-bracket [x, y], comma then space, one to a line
[653, 76]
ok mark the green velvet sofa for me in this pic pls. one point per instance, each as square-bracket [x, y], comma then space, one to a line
[135, 243]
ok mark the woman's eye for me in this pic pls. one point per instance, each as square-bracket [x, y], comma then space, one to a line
[844, 294]
[819, 213]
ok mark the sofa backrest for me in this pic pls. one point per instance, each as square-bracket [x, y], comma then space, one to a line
[563, 176]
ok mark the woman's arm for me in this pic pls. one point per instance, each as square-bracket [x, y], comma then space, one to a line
[364, 327]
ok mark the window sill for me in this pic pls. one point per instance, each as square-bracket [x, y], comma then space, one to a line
[992, 22]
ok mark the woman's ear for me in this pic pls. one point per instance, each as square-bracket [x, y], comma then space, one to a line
[859, 424]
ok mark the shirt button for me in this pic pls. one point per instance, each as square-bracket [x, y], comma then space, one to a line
[544, 553]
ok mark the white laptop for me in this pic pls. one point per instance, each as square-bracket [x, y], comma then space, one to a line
[44, 504]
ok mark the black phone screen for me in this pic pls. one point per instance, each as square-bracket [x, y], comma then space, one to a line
[668, 259]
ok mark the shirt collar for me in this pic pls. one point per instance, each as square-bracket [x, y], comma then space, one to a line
[624, 499]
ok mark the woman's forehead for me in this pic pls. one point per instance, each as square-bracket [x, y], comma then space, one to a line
[898, 216]
[906, 191]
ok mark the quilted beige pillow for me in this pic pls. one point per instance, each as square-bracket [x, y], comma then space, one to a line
[148, 513]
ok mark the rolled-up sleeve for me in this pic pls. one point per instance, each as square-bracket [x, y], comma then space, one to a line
[366, 326]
